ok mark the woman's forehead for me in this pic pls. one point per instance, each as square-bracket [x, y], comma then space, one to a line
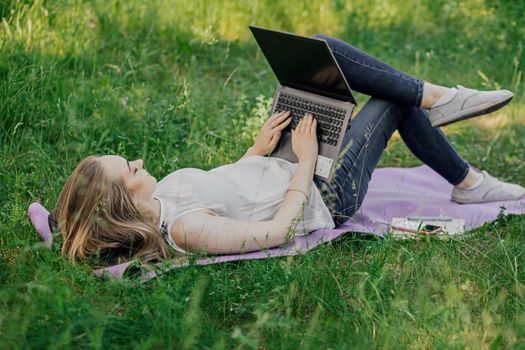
[114, 165]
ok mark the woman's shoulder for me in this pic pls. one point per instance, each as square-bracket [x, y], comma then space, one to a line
[184, 171]
[264, 161]
[178, 228]
[181, 174]
[191, 215]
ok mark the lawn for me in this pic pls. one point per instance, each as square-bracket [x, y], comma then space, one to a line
[182, 84]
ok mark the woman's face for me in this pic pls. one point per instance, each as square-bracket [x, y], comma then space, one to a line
[137, 180]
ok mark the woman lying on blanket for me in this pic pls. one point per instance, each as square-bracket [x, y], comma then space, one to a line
[112, 209]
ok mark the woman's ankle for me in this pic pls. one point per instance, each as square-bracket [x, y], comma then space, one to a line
[432, 93]
[471, 180]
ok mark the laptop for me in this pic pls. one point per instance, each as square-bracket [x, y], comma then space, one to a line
[310, 80]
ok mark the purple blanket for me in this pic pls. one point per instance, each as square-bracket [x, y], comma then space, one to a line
[393, 192]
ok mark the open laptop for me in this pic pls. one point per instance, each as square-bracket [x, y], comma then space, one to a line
[310, 80]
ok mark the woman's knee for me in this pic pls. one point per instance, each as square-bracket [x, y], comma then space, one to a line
[331, 41]
[377, 108]
[383, 104]
[321, 36]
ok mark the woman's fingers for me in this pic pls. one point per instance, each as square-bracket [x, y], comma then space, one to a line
[275, 139]
[309, 121]
[276, 115]
[305, 124]
[270, 121]
[278, 118]
[313, 127]
[304, 140]
[283, 124]
[300, 125]
[279, 121]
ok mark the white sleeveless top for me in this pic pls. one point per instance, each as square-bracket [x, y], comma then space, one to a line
[251, 189]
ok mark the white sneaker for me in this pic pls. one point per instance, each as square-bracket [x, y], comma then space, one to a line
[489, 190]
[467, 103]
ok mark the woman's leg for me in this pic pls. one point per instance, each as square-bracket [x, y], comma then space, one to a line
[431, 146]
[364, 143]
[370, 76]
[373, 77]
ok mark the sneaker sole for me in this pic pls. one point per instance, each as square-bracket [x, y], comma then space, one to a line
[459, 201]
[471, 113]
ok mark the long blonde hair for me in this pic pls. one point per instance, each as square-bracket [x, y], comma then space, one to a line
[99, 221]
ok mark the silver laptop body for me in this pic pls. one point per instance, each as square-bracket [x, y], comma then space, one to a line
[301, 90]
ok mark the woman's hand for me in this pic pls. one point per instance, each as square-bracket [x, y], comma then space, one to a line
[270, 133]
[304, 139]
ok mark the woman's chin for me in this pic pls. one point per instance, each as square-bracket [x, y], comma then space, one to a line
[153, 180]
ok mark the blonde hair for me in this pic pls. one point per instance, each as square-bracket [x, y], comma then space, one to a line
[98, 220]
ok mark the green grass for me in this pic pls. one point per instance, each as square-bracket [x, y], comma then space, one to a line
[181, 84]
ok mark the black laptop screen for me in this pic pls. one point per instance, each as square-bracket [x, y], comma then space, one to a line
[303, 63]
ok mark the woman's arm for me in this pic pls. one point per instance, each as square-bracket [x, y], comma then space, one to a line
[304, 145]
[203, 231]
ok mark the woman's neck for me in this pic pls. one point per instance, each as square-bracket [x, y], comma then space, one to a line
[150, 209]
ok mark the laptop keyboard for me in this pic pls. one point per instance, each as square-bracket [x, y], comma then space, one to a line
[329, 119]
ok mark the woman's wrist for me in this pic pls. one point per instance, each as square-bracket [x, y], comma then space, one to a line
[252, 151]
[259, 151]
[306, 167]
[307, 161]
[300, 191]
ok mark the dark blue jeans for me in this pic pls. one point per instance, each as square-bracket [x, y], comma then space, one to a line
[394, 105]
